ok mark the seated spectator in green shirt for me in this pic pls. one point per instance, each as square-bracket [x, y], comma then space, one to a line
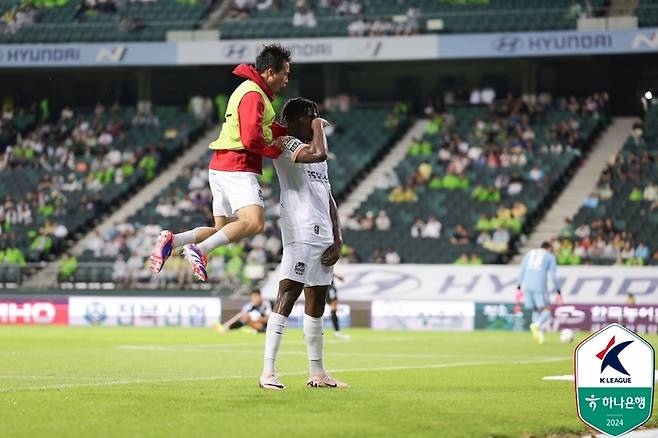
[42, 244]
[484, 223]
[475, 259]
[636, 195]
[493, 194]
[436, 183]
[420, 147]
[462, 260]
[565, 253]
[68, 266]
[514, 224]
[479, 193]
[453, 182]
[13, 256]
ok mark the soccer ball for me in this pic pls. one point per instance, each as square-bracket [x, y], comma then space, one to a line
[566, 335]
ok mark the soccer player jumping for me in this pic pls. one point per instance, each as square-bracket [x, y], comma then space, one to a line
[536, 266]
[311, 240]
[246, 136]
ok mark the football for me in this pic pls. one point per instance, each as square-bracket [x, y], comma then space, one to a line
[566, 335]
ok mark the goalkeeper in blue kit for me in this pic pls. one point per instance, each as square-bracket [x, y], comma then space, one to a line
[536, 267]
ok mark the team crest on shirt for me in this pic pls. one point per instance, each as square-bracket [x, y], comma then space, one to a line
[299, 268]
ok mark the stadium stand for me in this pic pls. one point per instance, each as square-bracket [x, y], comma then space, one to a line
[121, 256]
[60, 176]
[618, 222]
[647, 13]
[63, 21]
[475, 181]
[383, 17]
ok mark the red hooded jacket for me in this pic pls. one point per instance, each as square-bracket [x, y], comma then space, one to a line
[250, 116]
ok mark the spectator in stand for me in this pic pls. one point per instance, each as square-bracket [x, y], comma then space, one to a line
[499, 241]
[650, 192]
[304, 16]
[417, 228]
[368, 222]
[462, 260]
[392, 257]
[432, 228]
[642, 252]
[582, 231]
[475, 259]
[536, 174]
[412, 26]
[359, 27]
[636, 195]
[240, 9]
[382, 222]
[377, 256]
[460, 236]
[389, 180]
[404, 194]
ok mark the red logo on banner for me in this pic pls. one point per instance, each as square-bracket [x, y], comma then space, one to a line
[40, 312]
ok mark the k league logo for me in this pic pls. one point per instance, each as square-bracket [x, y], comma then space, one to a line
[610, 357]
[614, 380]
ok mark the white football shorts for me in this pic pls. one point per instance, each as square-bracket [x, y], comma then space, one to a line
[233, 190]
[302, 262]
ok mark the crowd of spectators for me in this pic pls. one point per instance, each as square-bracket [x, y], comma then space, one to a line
[68, 163]
[305, 15]
[130, 243]
[503, 140]
[629, 180]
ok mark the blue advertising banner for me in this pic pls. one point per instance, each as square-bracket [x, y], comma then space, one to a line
[319, 50]
[87, 55]
[509, 45]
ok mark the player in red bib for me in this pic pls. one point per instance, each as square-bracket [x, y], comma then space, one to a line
[248, 134]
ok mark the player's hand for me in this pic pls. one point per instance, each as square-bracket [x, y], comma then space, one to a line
[332, 254]
[320, 121]
[558, 300]
[280, 141]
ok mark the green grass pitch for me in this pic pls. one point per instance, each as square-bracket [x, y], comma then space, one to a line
[127, 382]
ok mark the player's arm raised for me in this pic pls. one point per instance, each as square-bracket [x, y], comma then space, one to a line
[315, 152]
[332, 254]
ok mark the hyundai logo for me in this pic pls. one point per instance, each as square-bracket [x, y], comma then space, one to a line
[507, 44]
[235, 51]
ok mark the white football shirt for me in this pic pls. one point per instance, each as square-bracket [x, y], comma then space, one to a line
[305, 192]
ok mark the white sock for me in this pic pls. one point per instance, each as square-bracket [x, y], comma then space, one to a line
[276, 324]
[314, 340]
[184, 238]
[215, 241]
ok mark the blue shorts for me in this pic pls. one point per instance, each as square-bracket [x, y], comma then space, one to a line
[535, 300]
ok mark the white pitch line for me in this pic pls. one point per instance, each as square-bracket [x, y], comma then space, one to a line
[259, 351]
[44, 377]
[570, 377]
[296, 373]
[259, 344]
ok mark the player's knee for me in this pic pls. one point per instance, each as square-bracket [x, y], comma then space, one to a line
[256, 227]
